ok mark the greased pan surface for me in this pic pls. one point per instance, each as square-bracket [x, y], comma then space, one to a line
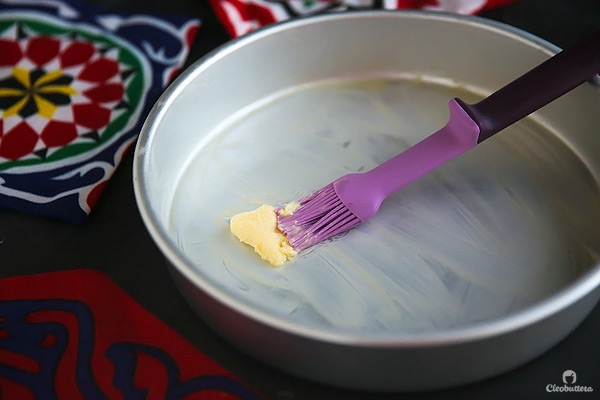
[467, 264]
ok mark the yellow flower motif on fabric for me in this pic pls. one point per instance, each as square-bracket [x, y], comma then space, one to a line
[27, 92]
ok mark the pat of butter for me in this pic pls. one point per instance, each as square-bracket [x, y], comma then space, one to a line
[289, 208]
[258, 229]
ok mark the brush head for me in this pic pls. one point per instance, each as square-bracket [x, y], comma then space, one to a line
[320, 216]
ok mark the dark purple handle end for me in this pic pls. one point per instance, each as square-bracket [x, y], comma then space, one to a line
[536, 88]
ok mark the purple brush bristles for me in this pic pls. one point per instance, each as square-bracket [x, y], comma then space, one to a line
[320, 216]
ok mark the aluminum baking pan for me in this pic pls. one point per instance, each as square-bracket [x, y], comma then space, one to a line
[473, 270]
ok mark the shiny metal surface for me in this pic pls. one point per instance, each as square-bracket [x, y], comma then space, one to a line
[473, 270]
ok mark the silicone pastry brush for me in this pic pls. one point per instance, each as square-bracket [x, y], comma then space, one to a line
[354, 198]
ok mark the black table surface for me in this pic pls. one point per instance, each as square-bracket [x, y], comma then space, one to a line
[115, 241]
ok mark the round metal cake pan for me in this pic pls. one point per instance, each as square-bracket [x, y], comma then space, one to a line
[473, 270]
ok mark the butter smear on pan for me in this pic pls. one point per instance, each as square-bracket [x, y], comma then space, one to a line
[258, 229]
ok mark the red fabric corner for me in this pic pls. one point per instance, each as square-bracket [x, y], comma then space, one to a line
[105, 341]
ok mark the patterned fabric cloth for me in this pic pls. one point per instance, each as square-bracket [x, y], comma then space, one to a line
[76, 84]
[77, 335]
[243, 16]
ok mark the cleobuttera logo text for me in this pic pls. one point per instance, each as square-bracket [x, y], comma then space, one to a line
[568, 388]
[569, 378]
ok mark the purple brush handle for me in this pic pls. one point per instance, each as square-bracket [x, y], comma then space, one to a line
[470, 124]
[538, 87]
[363, 193]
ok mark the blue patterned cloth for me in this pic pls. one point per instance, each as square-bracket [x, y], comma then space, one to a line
[76, 83]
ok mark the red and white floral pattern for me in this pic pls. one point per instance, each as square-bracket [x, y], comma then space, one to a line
[55, 91]
[76, 83]
[243, 16]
